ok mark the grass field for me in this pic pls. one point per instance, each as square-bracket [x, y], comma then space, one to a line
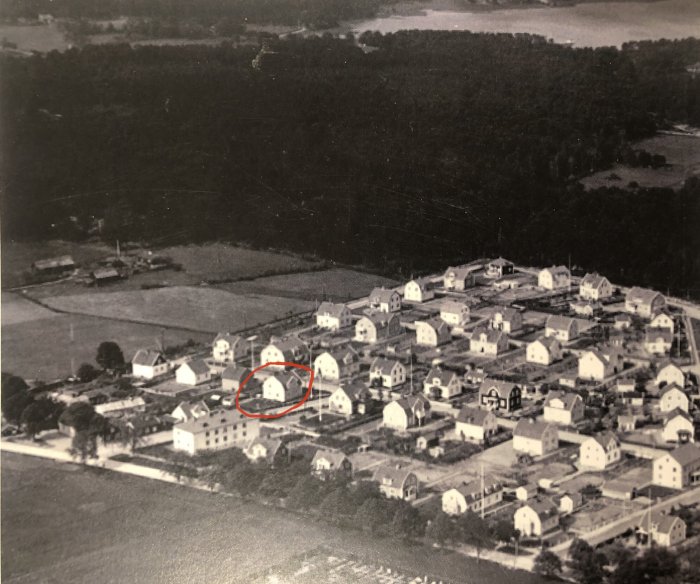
[62, 523]
[16, 310]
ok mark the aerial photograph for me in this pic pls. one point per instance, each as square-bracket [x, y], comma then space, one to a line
[350, 291]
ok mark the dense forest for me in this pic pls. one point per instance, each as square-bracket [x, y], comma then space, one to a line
[435, 147]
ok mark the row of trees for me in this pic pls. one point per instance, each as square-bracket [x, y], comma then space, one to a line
[21, 408]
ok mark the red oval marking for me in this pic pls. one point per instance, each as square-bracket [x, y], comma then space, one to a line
[283, 412]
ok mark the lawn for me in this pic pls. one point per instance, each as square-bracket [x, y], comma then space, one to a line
[96, 526]
[198, 308]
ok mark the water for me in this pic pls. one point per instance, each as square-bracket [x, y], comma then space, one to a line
[589, 24]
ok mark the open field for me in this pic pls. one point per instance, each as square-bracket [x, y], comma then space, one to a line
[93, 527]
[40, 37]
[16, 310]
[199, 308]
[336, 285]
[41, 348]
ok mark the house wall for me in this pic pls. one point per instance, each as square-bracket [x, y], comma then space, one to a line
[365, 331]
[538, 354]
[395, 417]
[339, 402]
[672, 400]
[148, 372]
[235, 434]
[675, 425]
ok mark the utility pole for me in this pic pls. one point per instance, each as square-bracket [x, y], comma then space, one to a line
[483, 493]
[251, 339]
[649, 522]
[72, 349]
[410, 357]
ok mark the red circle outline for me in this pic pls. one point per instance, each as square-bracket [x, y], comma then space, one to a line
[289, 409]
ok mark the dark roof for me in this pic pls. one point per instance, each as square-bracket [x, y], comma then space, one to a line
[198, 366]
[146, 357]
[473, 416]
[529, 428]
[686, 454]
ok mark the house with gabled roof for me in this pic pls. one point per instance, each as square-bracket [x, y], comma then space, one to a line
[498, 395]
[328, 463]
[678, 427]
[677, 469]
[596, 365]
[333, 316]
[595, 287]
[193, 372]
[186, 411]
[562, 328]
[432, 333]
[419, 290]
[396, 482]
[658, 341]
[228, 348]
[499, 267]
[563, 408]
[669, 373]
[121, 407]
[554, 278]
[473, 496]
[455, 313]
[387, 372]
[543, 351]
[506, 319]
[148, 364]
[270, 450]
[289, 350]
[664, 529]
[535, 438]
[385, 300]
[536, 518]
[475, 424]
[441, 384]
[600, 451]
[233, 376]
[215, 431]
[585, 308]
[283, 386]
[406, 412]
[622, 322]
[570, 502]
[377, 326]
[672, 397]
[458, 278]
[351, 398]
[488, 341]
[337, 364]
[644, 302]
[663, 320]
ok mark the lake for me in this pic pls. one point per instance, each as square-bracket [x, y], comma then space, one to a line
[593, 24]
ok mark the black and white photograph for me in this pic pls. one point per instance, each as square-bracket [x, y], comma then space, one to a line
[350, 291]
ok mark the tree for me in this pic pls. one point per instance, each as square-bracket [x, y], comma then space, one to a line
[41, 414]
[587, 565]
[78, 415]
[305, 493]
[407, 522]
[337, 504]
[109, 355]
[656, 564]
[474, 531]
[441, 529]
[504, 531]
[83, 446]
[374, 515]
[181, 464]
[547, 564]
[11, 386]
[14, 406]
[87, 372]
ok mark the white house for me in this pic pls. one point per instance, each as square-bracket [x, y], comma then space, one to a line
[595, 287]
[270, 450]
[488, 341]
[562, 328]
[658, 341]
[672, 397]
[663, 529]
[596, 365]
[569, 502]
[419, 290]
[193, 373]
[228, 348]
[185, 411]
[473, 496]
[455, 313]
[600, 451]
[441, 383]
[475, 424]
[535, 438]
[377, 326]
[585, 308]
[626, 385]
[332, 316]
[121, 407]
[663, 320]
[349, 399]
[554, 278]
[406, 412]
[644, 302]
[498, 395]
[396, 482]
[149, 364]
[217, 430]
[499, 267]
[536, 518]
[330, 462]
[337, 365]
[233, 376]
[385, 300]
[563, 408]
[678, 427]
[526, 492]
[458, 278]
[670, 373]
[506, 319]
[283, 386]
[387, 372]
[543, 351]
[432, 333]
[289, 350]
[677, 469]
[622, 322]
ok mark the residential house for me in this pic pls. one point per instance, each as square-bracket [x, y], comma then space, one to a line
[595, 287]
[526, 492]
[626, 385]
[349, 399]
[289, 350]
[672, 397]
[488, 341]
[677, 469]
[387, 373]
[441, 384]
[121, 407]
[495, 394]
[506, 319]
[563, 408]
[429, 440]
[536, 518]
[473, 496]
[432, 333]
[499, 267]
[622, 322]
[332, 316]
[419, 290]
[562, 328]
[217, 430]
[626, 423]
[670, 373]
[228, 348]
[148, 364]
[396, 482]
[658, 341]
[663, 320]
[459, 278]
[455, 313]
[377, 326]
[554, 278]
[585, 308]
[644, 302]
[632, 398]
[193, 372]
[337, 364]
[327, 463]
[535, 438]
[186, 411]
[385, 300]
[596, 365]
[678, 427]
[600, 451]
[233, 376]
[283, 386]
[664, 530]
[570, 502]
[475, 424]
[543, 351]
[406, 412]
[270, 450]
